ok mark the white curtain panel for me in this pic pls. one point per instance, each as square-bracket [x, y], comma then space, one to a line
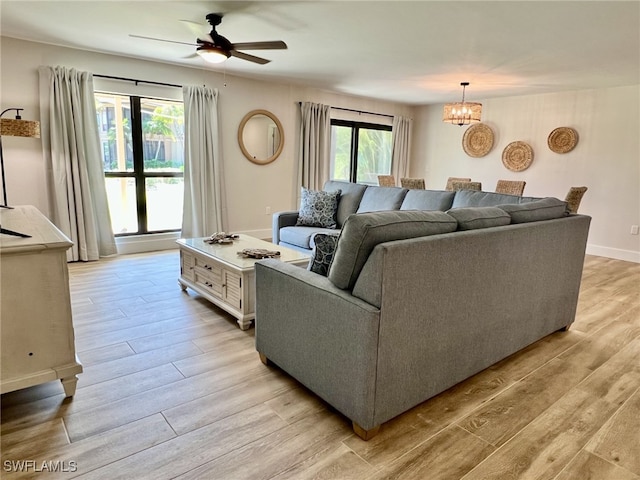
[315, 145]
[202, 214]
[71, 147]
[401, 132]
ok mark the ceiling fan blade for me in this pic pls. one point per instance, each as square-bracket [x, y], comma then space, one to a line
[206, 38]
[251, 58]
[274, 45]
[197, 29]
[162, 40]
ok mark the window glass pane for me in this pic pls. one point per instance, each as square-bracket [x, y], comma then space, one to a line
[340, 152]
[164, 203]
[114, 127]
[374, 155]
[121, 194]
[163, 135]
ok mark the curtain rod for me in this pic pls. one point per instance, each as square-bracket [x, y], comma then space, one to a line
[358, 111]
[137, 81]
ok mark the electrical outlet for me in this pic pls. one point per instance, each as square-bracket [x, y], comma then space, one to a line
[634, 229]
[267, 211]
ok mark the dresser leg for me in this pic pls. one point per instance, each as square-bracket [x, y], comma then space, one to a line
[69, 385]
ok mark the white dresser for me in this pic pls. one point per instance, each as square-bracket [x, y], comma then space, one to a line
[36, 327]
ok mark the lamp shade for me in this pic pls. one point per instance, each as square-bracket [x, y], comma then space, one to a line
[19, 128]
[462, 113]
[212, 54]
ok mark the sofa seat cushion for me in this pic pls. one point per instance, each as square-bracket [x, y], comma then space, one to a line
[302, 236]
[363, 231]
[470, 198]
[543, 209]
[350, 197]
[324, 246]
[428, 200]
[378, 199]
[471, 218]
[318, 208]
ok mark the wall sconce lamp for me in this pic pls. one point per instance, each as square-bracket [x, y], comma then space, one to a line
[462, 113]
[14, 128]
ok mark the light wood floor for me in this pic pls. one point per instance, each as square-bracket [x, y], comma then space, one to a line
[172, 388]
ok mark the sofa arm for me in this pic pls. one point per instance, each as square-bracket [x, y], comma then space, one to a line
[321, 335]
[282, 219]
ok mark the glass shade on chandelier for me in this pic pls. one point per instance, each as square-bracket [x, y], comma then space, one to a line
[462, 113]
[212, 54]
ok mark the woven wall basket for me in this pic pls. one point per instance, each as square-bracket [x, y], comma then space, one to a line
[477, 140]
[517, 156]
[562, 139]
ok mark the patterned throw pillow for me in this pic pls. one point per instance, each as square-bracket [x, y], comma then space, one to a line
[318, 208]
[325, 246]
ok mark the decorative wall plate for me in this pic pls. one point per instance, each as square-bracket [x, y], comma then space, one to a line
[562, 139]
[477, 140]
[517, 156]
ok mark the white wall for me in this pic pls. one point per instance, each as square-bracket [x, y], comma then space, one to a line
[249, 188]
[606, 159]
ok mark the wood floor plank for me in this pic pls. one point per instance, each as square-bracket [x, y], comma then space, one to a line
[275, 453]
[450, 454]
[104, 417]
[542, 449]
[587, 466]
[193, 449]
[210, 408]
[22, 443]
[338, 463]
[505, 415]
[119, 367]
[108, 353]
[103, 449]
[618, 441]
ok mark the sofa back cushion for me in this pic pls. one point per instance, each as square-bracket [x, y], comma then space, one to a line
[543, 209]
[471, 218]
[470, 198]
[427, 200]
[362, 232]
[350, 197]
[378, 199]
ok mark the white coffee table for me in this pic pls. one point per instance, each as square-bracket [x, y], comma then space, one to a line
[223, 277]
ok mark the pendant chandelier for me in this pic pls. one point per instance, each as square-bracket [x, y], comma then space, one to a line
[462, 113]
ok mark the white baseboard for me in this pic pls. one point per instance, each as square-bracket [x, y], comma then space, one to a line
[166, 241]
[617, 253]
[147, 243]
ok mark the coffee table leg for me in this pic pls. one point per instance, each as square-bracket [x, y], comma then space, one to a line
[244, 324]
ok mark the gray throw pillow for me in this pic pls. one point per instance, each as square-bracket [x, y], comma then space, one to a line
[318, 208]
[323, 250]
[471, 218]
[543, 209]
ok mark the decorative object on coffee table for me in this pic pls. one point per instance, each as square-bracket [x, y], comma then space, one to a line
[562, 139]
[222, 238]
[259, 253]
[477, 140]
[517, 156]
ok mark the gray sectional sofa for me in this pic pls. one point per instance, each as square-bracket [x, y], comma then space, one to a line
[358, 198]
[416, 301]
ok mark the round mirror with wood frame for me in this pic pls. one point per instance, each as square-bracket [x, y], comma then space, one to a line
[261, 137]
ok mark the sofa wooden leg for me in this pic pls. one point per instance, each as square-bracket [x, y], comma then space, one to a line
[365, 434]
[264, 359]
[565, 328]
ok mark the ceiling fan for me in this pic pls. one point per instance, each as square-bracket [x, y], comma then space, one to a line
[215, 48]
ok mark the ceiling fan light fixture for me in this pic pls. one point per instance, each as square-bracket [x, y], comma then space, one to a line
[212, 54]
[462, 113]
